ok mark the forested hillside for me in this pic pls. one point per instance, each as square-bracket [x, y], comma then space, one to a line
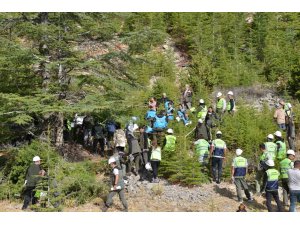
[108, 65]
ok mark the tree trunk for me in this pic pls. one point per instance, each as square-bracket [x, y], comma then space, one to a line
[59, 134]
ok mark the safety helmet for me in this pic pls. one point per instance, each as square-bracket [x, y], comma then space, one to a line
[36, 158]
[200, 121]
[270, 136]
[111, 160]
[170, 131]
[230, 93]
[238, 151]
[219, 94]
[278, 134]
[219, 132]
[201, 101]
[270, 162]
[290, 152]
[289, 105]
[148, 166]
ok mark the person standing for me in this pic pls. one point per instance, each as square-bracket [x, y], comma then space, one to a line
[119, 138]
[117, 186]
[231, 104]
[98, 133]
[31, 181]
[155, 160]
[270, 185]
[281, 146]
[220, 106]
[284, 166]
[262, 168]
[202, 150]
[144, 145]
[187, 97]
[279, 117]
[239, 169]
[210, 121]
[294, 185]
[290, 126]
[169, 141]
[134, 150]
[218, 153]
[201, 129]
[202, 110]
[271, 147]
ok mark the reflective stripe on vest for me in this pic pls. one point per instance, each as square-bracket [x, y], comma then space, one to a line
[281, 153]
[202, 147]
[220, 103]
[272, 182]
[285, 165]
[156, 154]
[160, 122]
[170, 143]
[240, 166]
[271, 149]
[219, 146]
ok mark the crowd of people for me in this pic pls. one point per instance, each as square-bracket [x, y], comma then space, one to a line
[137, 148]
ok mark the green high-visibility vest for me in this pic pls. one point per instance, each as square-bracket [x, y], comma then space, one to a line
[281, 153]
[239, 162]
[271, 149]
[170, 143]
[273, 174]
[229, 106]
[263, 156]
[156, 154]
[285, 165]
[202, 113]
[219, 143]
[202, 147]
[220, 103]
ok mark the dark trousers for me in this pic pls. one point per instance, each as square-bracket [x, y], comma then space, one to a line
[155, 165]
[29, 197]
[285, 187]
[275, 195]
[217, 168]
[101, 142]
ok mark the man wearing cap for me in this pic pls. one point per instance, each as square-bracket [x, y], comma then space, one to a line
[169, 141]
[238, 173]
[217, 152]
[231, 104]
[202, 110]
[285, 165]
[281, 146]
[201, 129]
[117, 186]
[271, 147]
[270, 185]
[31, 181]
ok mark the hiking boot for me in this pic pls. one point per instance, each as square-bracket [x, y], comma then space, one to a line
[125, 210]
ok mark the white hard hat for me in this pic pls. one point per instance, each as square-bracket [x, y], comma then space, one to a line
[270, 162]
[219, 132]
[270, 136]
[290, 152]
[200, 121]
[111, 160]
[170, 131]
[148, 166]
[289, 105]
[238, 151]
[230, 93]
[219, 94]
[36, 158]
[201, 101]
[278, 134]
[134, 118]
